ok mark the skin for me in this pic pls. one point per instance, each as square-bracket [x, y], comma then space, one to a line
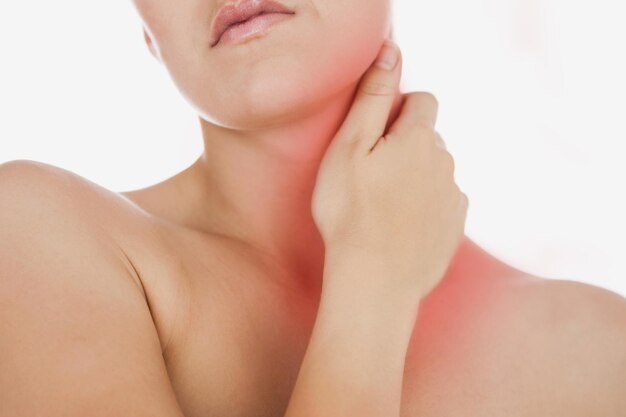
[191, 298]
[269, 109]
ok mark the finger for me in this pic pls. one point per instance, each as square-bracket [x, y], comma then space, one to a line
[420, 109]
[440, 142]
[367, 118]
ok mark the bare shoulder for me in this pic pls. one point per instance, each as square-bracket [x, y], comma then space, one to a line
[33, 186]
[52, 205]
[502, 342]
[43, 197]
[581, 330]
[594, 317]
[24, 172]
[42, 202]
[43, 205]
[565, 300]
[80, 326]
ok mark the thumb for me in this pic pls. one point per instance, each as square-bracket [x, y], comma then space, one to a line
[368, 116]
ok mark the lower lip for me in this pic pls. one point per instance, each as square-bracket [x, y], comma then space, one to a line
[254, 27]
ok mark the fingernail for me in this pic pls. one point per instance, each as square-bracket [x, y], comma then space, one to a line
[388, 56]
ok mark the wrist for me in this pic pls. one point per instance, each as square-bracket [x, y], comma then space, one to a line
[357, 280]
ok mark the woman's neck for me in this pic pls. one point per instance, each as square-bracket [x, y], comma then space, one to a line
[257, 185]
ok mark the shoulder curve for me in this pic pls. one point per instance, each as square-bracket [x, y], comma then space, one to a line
[27, 183]
[586, 325]
[28, 172]
[40, 197]
[75, 313]
[567, 299]
[29, 169]
[25, 179]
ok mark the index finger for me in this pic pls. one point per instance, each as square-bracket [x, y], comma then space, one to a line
[420, 108]
[373, 101]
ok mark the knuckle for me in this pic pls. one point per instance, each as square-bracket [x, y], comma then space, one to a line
[423, 133]
[431, 99]
[423, 107]
[425, 98]
[461, 194]
[440, 142]
[462, 198]
[448, 161]
[377, 87]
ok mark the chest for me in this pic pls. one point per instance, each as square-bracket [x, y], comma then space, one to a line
[243, 343]
[241, 347]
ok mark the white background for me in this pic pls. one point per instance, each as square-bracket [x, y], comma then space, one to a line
[532, 102]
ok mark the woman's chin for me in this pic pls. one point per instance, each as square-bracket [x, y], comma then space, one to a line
[260, 111]
[261, 119]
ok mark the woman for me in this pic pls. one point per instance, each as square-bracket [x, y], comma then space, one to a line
[202, 295]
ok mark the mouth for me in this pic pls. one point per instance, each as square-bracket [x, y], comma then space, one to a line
[234, 22]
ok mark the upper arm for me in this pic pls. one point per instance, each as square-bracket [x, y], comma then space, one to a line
[76, 333]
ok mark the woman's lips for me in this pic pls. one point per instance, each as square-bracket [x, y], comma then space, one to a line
[257, 25]
[231, 14]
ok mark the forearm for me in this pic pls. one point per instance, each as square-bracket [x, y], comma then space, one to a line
[355, 359]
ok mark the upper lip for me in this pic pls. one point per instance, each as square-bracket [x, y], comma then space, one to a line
[231, 13]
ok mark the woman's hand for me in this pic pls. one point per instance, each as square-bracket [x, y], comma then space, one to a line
[391, 196]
